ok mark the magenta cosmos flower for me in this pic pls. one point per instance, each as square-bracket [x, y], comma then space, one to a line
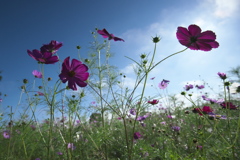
[37, 74]
[137, 135]
[153, 102]
[195, 39]
[105, 34]
[52, 47]
[46, 57]
[74, 73]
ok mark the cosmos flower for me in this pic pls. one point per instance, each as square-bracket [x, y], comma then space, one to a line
[228, 105]
[133, 111]
[45, 58]
[212, 101]
[6, 134]
[213, 116]
[40, 94]
[74, 73]
[141, 118]
[195, 39]
[60, 153]
[137, 135]
[33, 127]
[153, 102]
[37, 74]
[199, 147]
[163, 84]
[176, 128]
[207, 109]
[52, 47]
[223, 76]
[71, 146]
[163, 123]
[105, 34]
[188, 87]
[199, 86]
[197, 110]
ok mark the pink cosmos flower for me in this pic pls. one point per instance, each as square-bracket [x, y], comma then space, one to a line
[40, 94]
[46, 57]
[33, 127]
[71, 146]
[163, 123]
[199, 147]
[52, 47]
[60, 153]
[212, 101]
[199, 86]
[6, 134]
[176, 128]
[133, 111]
[195, 39]
[105, 34]
[188, 87]
[74, 73]
[37, 74]
[223, 76]
[163, 84]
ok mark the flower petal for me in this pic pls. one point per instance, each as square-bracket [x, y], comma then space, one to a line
[194, 30]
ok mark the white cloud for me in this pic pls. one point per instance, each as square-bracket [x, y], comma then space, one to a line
[225, 9]
[209, 15]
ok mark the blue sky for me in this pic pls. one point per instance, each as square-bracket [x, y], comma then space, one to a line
[29, 24]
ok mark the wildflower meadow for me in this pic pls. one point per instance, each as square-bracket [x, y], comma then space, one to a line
[92, 115]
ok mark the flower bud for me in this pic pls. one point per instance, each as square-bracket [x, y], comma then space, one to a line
[156, 39]
[143, 56]
[183, 93]
[25, 81]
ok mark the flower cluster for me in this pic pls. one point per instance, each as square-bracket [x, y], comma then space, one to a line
[46, 53]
